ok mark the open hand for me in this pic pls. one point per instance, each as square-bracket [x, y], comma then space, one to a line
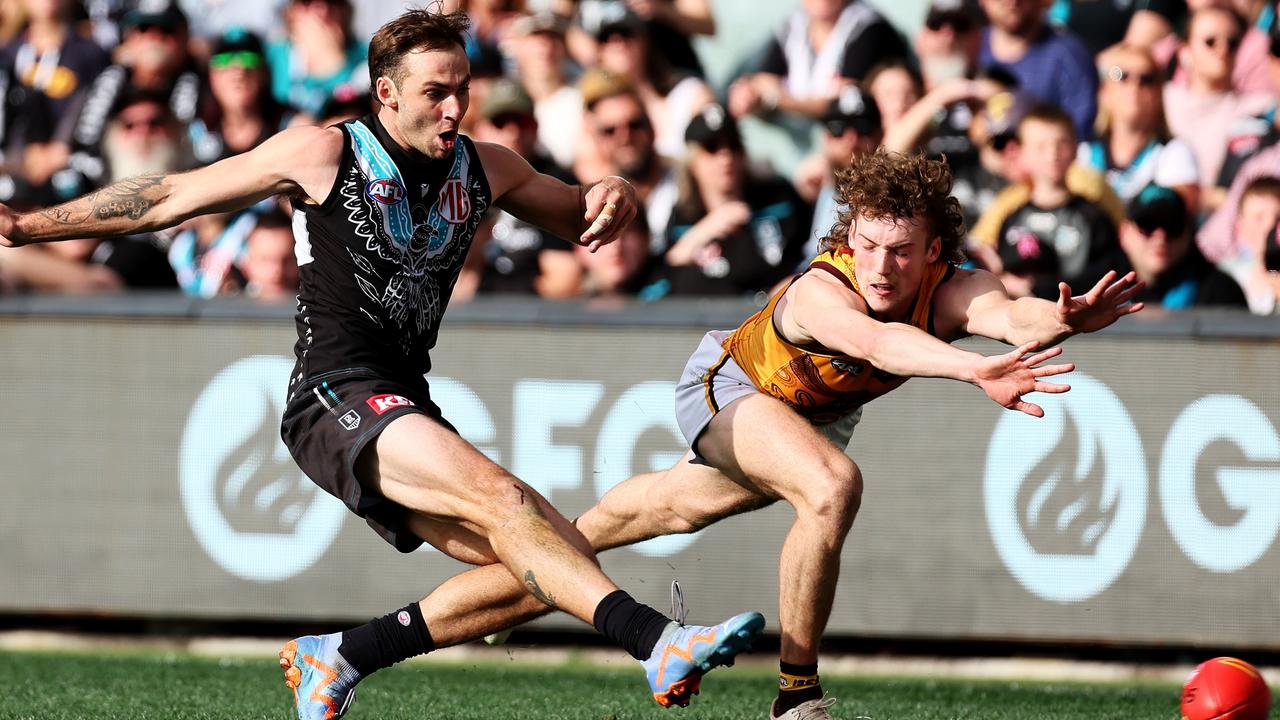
[1102, 305]
[1006, 378]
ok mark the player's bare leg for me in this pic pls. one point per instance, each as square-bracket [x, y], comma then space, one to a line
[683, 499]
[461, 501]
[759, 438]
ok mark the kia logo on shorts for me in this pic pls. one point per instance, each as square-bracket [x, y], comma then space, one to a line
[383, 403]
[1066, 494]
[385, 191]
[250, 507]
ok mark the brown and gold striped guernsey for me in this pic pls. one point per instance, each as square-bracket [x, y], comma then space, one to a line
[821, 386]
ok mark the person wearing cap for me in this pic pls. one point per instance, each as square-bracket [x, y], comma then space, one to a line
[153, 57]
[669, 25]
[1157, 244]
[730, 233]
[239, 112]
[1134, 148]
[671, 98]
[851, 128]
[319, 55]
[509, 255]
[385, 209]
[821, 47]
[983, 154]
[537, 44]
[1050, 64]
[1080, 229]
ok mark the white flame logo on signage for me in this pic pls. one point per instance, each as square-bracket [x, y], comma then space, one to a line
[1066, 494]
[251, 509]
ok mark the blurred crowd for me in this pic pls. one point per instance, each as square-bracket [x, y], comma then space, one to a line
[1083, 136]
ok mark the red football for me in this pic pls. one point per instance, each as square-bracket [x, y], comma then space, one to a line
[1225, 689]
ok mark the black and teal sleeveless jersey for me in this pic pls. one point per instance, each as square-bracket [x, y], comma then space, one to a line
[380, 255]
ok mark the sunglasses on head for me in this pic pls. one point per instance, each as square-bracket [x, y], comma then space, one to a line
[1233, 42]
[1120, 75]
[246, 59]
[634, 125]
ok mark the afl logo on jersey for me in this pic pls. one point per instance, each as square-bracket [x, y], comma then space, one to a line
[385, 191]
[455, 202]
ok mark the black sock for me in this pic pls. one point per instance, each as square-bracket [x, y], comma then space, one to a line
[634, 627]
[385, 641]
[796, 684]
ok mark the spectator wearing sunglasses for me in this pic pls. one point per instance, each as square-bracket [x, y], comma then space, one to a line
[947, 43]
[239, 111]
[1134, 148]
[1249, 72]
[537, 44]
[619, 140]
[319, 57]
[730, 233]
[152, 58]
[1202, 112]
[1157, 245]
[671, 98]
[1053, 65]
[1249, 136]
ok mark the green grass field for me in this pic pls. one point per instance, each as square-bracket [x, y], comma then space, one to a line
[139, 686]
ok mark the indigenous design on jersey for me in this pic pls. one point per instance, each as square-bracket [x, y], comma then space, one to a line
[379, 257]
[422, 241]
[822, 386]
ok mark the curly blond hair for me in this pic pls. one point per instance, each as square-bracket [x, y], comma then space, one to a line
[888, 185]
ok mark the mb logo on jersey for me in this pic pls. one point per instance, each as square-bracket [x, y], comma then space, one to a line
[455, 202]
[1066, 495]
[251, 509]
[385, 191]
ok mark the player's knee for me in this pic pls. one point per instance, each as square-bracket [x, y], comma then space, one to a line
[836, 492]
[500, 495]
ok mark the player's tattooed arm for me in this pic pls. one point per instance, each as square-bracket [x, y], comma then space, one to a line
[121, 208]
[546, 598]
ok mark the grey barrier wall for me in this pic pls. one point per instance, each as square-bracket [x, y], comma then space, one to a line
[142, 475]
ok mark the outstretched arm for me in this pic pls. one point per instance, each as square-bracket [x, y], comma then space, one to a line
[292, 161]
[592, 217]
[821, 311]
[984, 308]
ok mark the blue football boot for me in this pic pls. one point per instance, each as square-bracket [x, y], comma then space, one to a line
[323, 684]
[685, 653]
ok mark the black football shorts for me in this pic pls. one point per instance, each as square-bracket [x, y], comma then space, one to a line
[328, 422]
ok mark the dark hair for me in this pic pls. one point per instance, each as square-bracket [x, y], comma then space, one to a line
[890, 186]
[415, 30]
[1265, 185]
[273, 219]
[1049, 114]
